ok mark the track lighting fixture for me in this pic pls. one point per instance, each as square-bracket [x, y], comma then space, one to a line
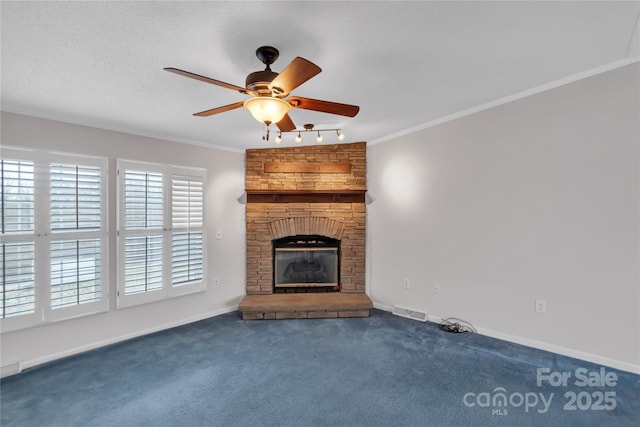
[309, 127]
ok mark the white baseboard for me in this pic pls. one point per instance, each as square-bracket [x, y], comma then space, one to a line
[577, 354]
[10, 369]
[540, 345]
[382, 307]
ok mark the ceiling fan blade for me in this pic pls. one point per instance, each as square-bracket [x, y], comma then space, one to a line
[208, 80]
[324, 106]
[218, 110]
[299, 71]
[286, 124]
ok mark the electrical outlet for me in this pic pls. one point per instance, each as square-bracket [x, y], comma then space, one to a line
[218, 234]
[436, 287]
[405, 283]
[216, 282]
[541, 306]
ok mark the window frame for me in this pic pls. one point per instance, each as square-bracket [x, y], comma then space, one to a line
[167, 290]
[42, 237]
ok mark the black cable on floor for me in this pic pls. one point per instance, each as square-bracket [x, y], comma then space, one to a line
[453, 324]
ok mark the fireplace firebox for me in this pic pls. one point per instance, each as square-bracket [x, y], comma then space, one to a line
[306, 264]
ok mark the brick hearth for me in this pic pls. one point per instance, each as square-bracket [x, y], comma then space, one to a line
[317, 190]
[304, 306]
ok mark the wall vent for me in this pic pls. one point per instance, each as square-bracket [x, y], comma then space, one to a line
[409, 313]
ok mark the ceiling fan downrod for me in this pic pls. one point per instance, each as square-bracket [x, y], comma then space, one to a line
[258, 81]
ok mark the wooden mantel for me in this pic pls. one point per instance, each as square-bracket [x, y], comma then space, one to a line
[304, 196]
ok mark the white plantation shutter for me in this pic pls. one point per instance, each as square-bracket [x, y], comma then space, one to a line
[75, 261]
[75, 197]
[186, 258]
[143, 263]
[17, 201]
[75, 272]
[160, 232]
[144, 200]
[143, 220]
[186, 202]
[17, 265]
[187, 215]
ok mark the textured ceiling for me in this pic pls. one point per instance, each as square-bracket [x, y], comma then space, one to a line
[404, 63]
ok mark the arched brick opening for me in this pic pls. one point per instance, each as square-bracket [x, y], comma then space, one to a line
[307, 226]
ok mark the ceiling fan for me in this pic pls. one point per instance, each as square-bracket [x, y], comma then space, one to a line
[270, 101]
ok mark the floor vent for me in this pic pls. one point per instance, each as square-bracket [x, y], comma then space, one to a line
[411, 314]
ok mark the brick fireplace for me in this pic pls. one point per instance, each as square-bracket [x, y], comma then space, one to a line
[296, 193]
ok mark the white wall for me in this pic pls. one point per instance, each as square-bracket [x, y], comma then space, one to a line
[225, 258]
[534, 199]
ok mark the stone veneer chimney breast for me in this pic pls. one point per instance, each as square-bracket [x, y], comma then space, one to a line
[308, 190]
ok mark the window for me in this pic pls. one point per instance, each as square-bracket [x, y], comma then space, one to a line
[160, 232]
[53, 249]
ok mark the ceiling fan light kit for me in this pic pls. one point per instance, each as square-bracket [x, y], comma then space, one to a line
[266, 109]
[269, 90]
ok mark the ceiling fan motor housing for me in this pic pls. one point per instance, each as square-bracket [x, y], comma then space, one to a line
[259, 82]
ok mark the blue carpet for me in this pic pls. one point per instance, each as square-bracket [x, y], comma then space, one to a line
[377, 371]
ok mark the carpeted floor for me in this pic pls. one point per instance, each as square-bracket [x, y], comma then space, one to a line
[377, 371]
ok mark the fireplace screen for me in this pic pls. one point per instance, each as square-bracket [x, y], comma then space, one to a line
[305, 267]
